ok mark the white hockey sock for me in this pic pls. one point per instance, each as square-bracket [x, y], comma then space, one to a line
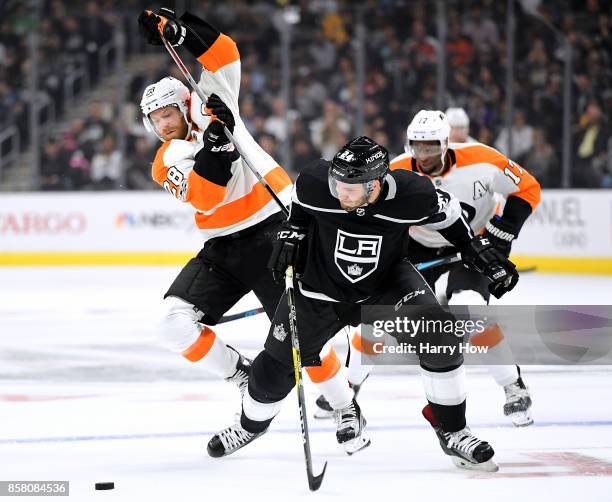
[259, 412]
[504, 374]
[447, 388]
[498, 359]
[211, 353]
[336, 390]
[331, 380]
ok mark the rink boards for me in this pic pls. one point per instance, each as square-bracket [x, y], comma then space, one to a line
[571, 230]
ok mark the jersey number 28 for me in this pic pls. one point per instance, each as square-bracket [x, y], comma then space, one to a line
[175, 177]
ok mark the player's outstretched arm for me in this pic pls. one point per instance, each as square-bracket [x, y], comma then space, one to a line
[477, 252]
[190, 31]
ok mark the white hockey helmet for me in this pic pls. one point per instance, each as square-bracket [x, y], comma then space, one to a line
[457, 117]
[429, 125]
[167, 92]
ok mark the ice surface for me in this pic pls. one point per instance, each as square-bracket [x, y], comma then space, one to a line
[87, 395]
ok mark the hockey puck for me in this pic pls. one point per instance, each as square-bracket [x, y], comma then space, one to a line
[105, 486]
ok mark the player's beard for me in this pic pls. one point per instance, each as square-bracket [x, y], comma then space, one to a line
[432, 170]
[175, 132]
[354, 205]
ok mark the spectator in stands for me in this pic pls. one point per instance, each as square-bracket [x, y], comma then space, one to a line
[522, 138]
[401, 55]
[303, 152]
[78, 155]
[53, 168]
[542, 161]
[327, 130]
[275, 123]
[482, 28]
[269, 144]
[459, 47]
[138, 174]
[96, 126]
[106, 166]
[420, 47]
[591, 145]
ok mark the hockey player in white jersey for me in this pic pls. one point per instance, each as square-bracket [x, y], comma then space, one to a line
[234, 214]
[459, 123]
[478, 176]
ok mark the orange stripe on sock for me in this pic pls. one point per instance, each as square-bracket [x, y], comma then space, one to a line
[330, 365]
[201, 347]
[490, 337]
[363, 346]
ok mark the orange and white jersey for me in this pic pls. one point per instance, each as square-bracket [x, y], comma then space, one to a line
[480, 177]
[244, 202]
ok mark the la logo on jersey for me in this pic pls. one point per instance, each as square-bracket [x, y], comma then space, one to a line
[356, 255]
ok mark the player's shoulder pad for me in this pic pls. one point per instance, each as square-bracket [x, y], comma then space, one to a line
[468, 154]
[414, 195]
[410, 183]
[179, 150]
[311, 186]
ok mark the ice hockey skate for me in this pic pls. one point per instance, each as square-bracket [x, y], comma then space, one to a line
[465, 449]
[229, 440]
[518, 403]
[241, 376]
[350, 431]
[324, 410]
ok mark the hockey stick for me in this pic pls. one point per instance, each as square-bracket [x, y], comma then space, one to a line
[241, 315]
[454, 258]
[185, 71]
[314, 482]
[419, 266]
[445, 260]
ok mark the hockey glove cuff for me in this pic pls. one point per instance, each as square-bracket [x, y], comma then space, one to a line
[481, 255]
[289, 240]
[501, 234]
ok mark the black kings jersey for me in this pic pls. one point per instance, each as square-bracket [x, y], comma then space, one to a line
[350, 254]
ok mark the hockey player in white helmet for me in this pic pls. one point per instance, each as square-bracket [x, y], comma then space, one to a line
[165, 108]
[234, 214]
[459, 126]
[478, 176]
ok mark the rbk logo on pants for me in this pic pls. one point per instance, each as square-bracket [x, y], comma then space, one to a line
[356, 255]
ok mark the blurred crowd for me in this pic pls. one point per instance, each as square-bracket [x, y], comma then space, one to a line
[400, 78]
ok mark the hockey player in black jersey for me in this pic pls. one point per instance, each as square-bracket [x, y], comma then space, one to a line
[344, 236]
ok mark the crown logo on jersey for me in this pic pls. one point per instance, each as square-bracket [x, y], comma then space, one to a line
[279, 332]
[355, 270]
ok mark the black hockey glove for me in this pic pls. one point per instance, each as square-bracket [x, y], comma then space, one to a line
[174, 30]
[501, 234]
[289, 239]
[215, 139]
[482, 256]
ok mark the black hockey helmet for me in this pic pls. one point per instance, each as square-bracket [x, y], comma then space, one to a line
[359, 161]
